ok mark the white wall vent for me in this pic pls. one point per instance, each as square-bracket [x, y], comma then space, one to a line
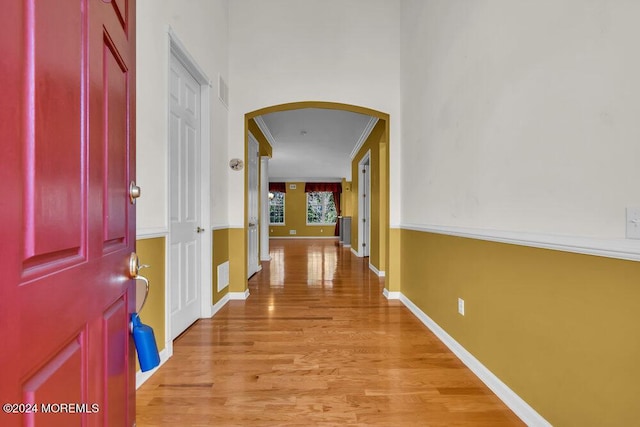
[223, 91]
[223, 275]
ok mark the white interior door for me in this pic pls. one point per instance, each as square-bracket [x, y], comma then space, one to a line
[364, 190]
[252, 244]
[184, 159]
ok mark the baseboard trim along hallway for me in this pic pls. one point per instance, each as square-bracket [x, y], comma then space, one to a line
[508, 396]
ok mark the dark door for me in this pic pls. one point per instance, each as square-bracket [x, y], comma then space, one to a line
[67, 129]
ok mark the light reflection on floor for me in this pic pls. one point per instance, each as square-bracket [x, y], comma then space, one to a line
[276, 268]
[321, 265]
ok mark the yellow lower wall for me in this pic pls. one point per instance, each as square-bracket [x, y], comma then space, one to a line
[152, 252]
[560, 329]
[295, 216]
[393, 278]
[220, 254]
[237, 260]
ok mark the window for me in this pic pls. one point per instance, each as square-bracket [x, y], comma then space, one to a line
[321, 209]
[276, 208]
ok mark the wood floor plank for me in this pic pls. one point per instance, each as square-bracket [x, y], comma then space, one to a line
[316, 344]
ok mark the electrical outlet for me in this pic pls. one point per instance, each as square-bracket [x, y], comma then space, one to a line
[461, 306]
[292, 231]
[633, 223]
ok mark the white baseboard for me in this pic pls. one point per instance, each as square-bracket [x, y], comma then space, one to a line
[391, 295]
[217, 306]
[239, 295]
[141, 377]
[375, 270]
[356, 253]
[521, 408]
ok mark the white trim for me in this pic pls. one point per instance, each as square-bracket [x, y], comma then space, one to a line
[141, 377]
[264, 202]
[305, 237]
[206, 239]
[218, 306]
[178, 50]
[391, 295]
[220, 227]
[265, 130]
[239, 295]
[182, 53]
[521, 408]
[356, 253]
[365, 161]
[626, 249]
[151, 233]
[363, 137]
[375, 270]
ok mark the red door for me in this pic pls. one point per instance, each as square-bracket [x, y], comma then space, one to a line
[67, 155]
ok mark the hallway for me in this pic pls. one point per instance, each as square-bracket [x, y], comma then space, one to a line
[316, 343]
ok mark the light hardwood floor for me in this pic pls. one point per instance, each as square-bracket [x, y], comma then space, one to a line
[316, 344]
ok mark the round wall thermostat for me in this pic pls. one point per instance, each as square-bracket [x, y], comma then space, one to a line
[236, 164]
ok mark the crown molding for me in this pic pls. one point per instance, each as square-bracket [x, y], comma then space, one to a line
[363, 137]
[265, 130]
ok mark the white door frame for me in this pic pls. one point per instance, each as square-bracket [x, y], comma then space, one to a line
[253, 262]
[366, 160]
[177, 49]
[264, 209]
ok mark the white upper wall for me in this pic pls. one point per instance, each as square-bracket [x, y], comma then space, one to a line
[202, 27]
[285, 51]
[521, 116]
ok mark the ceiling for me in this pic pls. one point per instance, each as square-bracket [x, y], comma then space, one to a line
[313, 144]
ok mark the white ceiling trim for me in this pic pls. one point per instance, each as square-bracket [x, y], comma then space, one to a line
[265, 130]
[365, 134]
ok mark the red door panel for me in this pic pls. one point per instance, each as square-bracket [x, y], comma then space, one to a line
[116, 340]
[59, 381]
[53, 179]
[67, 153]
[115, 92]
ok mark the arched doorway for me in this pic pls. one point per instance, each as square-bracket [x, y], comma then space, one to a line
[375, 147]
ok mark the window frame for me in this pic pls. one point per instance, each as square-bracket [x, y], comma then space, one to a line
[284, 204]
[325, 224]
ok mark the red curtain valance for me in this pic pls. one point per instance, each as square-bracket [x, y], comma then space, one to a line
[278, 187]
[333, 187]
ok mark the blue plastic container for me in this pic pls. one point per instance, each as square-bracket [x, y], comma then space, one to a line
[145, 343]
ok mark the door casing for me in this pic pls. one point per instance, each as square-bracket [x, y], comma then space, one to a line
[176, 48]
[253, 211]
[364, 206]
